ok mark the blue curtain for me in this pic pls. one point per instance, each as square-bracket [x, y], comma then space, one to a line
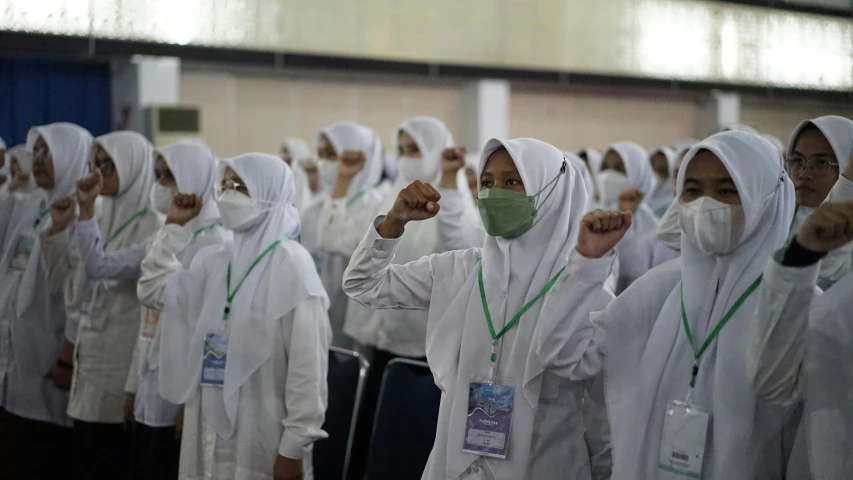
[36, 92]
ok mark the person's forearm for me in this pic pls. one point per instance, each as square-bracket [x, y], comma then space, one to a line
[390, 228]
[448, 181]
[87, 211]
[339, 189]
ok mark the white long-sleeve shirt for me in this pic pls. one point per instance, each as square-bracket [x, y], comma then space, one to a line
[456, 230]
[107, 333]
[282, 404]
[558, 448]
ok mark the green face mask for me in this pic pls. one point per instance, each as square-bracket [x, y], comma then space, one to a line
[510, 214]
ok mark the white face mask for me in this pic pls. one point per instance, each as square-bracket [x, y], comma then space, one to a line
[328, 171]
[610, 184]
[412, 168]
[161, 197]
[669, 227]
[236, 210]
[715, 227]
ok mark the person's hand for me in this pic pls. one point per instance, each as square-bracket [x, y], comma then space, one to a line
[61, 214]
[60, 376]
[350, 163]
[287, 469]
[601, 231]
[129, 417]
[184, 207]
[179, 423]
[88, 190]
[418, 201]
[452, 160]
[829, 227]
[630, 199]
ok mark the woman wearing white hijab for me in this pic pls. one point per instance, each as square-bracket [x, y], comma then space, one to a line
[247, 329]
[33, 385]
[663, 164]
[293, 151]
[800, 343]
[818, 162]
[112, 246]
[187, 167]
[353, 201]
[531, 201]
[310, 213]
[21, 180]
[736, 205]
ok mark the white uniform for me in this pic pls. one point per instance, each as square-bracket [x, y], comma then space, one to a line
[342, 221]
[273, 398]
[547, 437]
[640, 343]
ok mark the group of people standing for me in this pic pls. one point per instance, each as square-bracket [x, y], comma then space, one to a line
[624, 314]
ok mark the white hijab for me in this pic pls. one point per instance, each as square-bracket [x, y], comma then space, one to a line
[839, 133]
[586, 175]
[472, 161]
[282, 280]
[593, 158]
[775, 141]
[739, 127]
[458, 343]
[650, 365]
[432, 137]
[829, 385]
[662, 195]
[24, 159]
[298, 150]
[133, 156]
[351, 136]
[637, 167]
[69, 147]
[684, 144]
[194, 167]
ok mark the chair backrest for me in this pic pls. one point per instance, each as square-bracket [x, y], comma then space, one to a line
[405, 423]
[347, 374]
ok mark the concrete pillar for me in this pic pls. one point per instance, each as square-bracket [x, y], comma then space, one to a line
[142, 81]
[719, 110]
[486, 112]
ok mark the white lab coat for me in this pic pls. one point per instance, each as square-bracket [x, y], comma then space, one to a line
[281, 405]
[341, 228]
[30, 336]
[433, 282]
[107, 335]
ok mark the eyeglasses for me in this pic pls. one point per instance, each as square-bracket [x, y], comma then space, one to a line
[107, 167]
[40, 154]
[819, 165]
[221, 188]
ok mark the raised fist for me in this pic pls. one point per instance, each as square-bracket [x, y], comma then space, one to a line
[601, 231]
[184, 207]
[418, 201]
[452, 160]
[89, 188]
[61, 214]
[829, 227]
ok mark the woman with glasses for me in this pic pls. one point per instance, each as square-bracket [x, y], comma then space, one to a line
[818, 162]
[247, 329]
[188, 167]
[33, 383]
[112, 246]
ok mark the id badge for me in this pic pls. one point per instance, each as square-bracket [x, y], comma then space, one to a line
[682, 448]
[149, 326]
[490, 405]
[22, 253]
[213, 362]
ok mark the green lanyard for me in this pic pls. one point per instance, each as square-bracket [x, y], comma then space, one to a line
[357, 196]
[136, 216]
[497, 335]
[204, 229]
[716, 331]
[231, 294]
[44, 211]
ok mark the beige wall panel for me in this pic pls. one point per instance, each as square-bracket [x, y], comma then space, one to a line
[250, 112]
[674, 39]
[572, 120]
[781, 117]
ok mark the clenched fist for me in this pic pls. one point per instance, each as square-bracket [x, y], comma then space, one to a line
[453, 160]
[61, 214]
[829, 227]
[601, 231]
[184, 207]
[418, 201]
[88, 190]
